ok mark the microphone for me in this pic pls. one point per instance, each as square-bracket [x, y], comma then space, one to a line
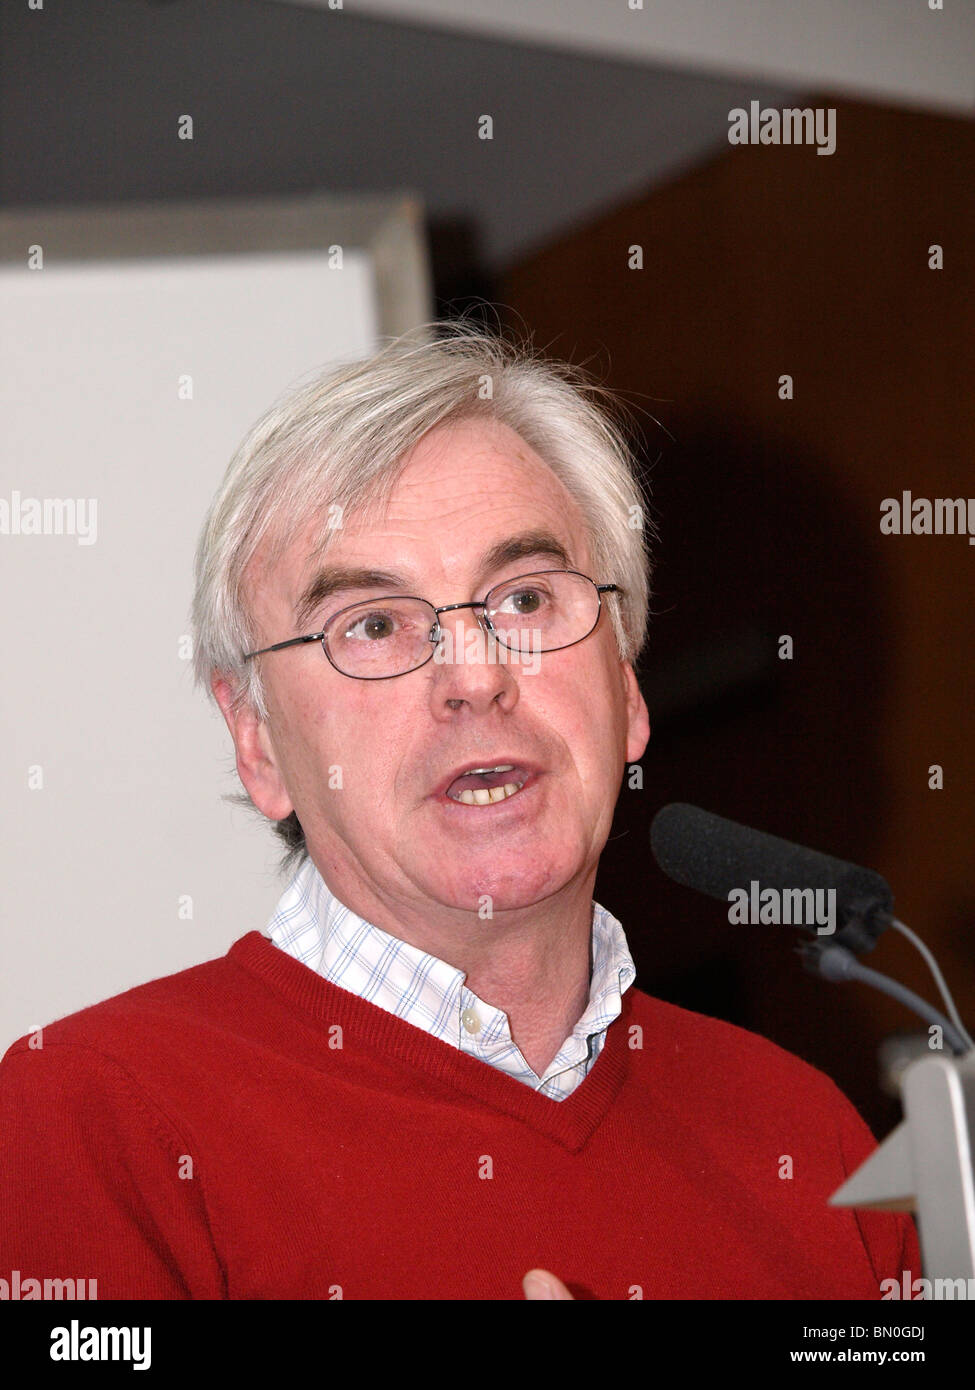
[717, 857]
[720, 857]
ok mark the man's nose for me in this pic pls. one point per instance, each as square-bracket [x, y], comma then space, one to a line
[464, 639]
[468, 666]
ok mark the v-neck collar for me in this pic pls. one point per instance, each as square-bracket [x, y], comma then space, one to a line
[569, 1122]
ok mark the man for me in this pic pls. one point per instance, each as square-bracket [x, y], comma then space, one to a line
[420, 591]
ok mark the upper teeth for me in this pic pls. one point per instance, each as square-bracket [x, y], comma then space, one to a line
[481, 796]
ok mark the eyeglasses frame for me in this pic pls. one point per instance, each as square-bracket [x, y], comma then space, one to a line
[484, 622]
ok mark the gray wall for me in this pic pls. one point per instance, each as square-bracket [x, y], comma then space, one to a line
[900, 50]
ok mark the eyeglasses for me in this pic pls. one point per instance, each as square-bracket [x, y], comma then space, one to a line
[386, 637]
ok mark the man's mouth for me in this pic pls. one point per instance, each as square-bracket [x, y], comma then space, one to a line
[488, 784]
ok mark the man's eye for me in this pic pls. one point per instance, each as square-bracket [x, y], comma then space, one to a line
[372, 627]
[522, 601]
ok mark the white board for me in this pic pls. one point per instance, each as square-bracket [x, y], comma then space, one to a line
[119, 860]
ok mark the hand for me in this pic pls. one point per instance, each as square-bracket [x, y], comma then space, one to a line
[539, 1283]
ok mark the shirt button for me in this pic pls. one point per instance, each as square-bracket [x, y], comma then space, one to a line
[470, 1021]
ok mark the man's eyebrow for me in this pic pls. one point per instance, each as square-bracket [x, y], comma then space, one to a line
[342, 579]
[339, 580]
[521, 547]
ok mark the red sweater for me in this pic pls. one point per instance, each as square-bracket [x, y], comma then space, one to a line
[244, 1129]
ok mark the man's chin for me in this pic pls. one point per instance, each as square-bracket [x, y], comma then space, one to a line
[488, 891]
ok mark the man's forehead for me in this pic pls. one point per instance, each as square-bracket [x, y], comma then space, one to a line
[460, 451]
[496, 526]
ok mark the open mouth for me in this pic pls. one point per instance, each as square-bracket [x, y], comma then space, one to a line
[486, 786]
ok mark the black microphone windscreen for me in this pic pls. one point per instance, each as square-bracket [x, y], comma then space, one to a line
[718, 856]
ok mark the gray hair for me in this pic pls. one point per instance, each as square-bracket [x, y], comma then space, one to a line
[337, 443]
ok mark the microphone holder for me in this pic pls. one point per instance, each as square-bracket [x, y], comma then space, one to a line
[834, 961]
[925, 1166]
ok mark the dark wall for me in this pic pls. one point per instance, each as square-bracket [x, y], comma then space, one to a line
[772, 260]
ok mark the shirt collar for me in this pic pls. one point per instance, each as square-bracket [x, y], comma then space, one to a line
[310, 924]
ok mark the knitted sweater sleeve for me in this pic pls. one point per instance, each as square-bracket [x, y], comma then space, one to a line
[96, 1183]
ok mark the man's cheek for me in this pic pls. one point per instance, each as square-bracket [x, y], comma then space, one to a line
[531, 662]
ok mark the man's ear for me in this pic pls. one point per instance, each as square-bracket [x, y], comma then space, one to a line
[638, 717]
[257, 764]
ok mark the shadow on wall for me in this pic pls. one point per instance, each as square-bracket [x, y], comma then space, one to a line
[755, 547]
